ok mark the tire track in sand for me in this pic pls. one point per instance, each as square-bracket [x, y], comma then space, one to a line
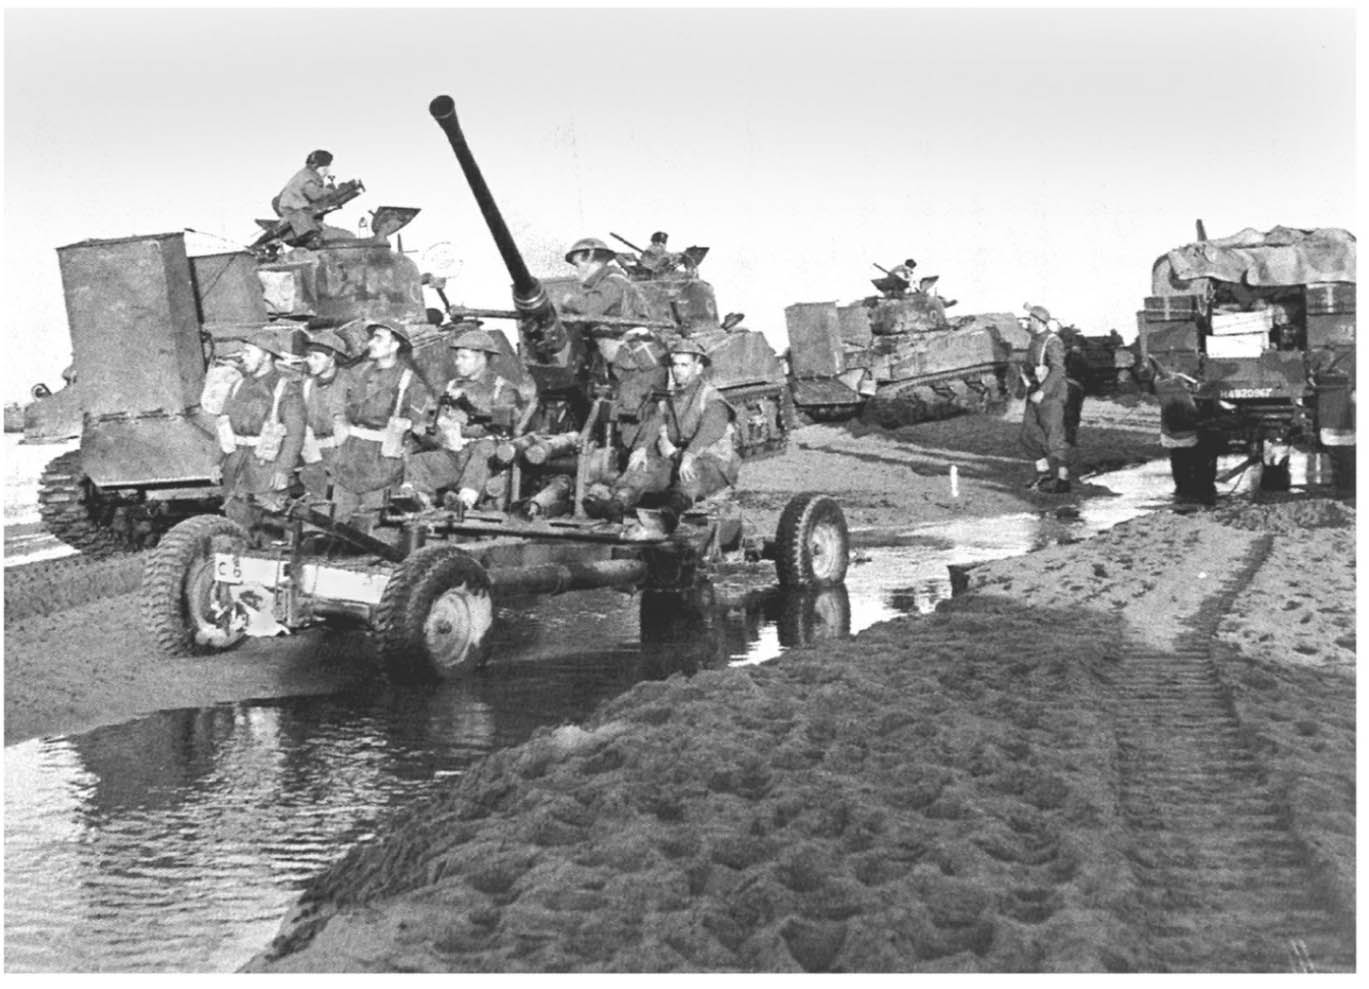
[1224, 884]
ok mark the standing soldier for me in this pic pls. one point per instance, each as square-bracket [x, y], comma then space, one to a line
[323, 394]
[260, 429]
[1076, 374]
[476, 406]
[1043, 421]
[686, 447]
[382, 401]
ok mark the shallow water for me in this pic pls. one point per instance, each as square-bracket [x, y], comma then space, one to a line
[176, 842]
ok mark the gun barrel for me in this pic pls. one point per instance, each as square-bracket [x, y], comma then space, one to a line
[625, 241]
[527, 289]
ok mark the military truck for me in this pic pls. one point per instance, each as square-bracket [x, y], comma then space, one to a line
[1251, 341]
[897, 359]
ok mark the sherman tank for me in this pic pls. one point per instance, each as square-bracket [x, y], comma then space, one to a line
[896, 358]
[147, 322]
[558, 353]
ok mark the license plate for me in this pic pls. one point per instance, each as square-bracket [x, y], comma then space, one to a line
[1249, 392]
[228, 568]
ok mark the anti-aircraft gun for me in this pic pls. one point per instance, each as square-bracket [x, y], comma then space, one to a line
[557, 350]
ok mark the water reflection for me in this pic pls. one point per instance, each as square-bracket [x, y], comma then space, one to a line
[177, 842]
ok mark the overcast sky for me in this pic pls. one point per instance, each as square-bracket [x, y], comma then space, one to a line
[1021, 154]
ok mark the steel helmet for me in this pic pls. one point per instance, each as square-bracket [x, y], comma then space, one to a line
[268, 339]
[1039, 312]
[327, 340]
[399, 330]
[475, 339]
[594, 245]
[689, 347]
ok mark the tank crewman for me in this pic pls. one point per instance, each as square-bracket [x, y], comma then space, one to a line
[260, 429]
[383, 399]
[1043, 421]
[1076, 373]
[475, 406]
[296, 202]
[323, 394]
[686, 447]
[657, 257]
[904, 271]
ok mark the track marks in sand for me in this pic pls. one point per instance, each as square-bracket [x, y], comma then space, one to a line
[1224, 885]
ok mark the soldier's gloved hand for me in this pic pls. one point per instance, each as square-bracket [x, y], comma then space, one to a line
[1035, 398]
[663, 444]
[637, 459]
[687, 470]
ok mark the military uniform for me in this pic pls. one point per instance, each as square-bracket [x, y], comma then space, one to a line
[1043, 422]
[698, 421]
[295, 203]
[323, 401]
[489, 397]
[267, 404]
[372, 397]
[1076, 371]
[608, 292]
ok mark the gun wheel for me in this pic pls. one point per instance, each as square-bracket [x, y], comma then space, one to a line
[435, 615]
[188, 612]
[812, 546]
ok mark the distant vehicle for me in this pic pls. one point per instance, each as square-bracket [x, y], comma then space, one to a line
[897, 359]
[1251, 341]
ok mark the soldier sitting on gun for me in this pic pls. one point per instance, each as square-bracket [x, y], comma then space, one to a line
[260, 429]
[297, 202]
[475, 406]
[685, 449]
[323, 393]
[383, 397]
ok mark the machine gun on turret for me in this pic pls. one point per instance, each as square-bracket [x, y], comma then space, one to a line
[336, 198]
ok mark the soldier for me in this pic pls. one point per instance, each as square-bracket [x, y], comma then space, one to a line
[904, 271]
[296, 202]
[1043, 421]
[382, 400]
[260, 429]
[323, 395]
[657, 257]
[686, 447]
[475, 406]
[605, 290]
[1076, 373]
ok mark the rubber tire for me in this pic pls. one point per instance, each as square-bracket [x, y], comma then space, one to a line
[412, 645]
[172, 566]
[810, 522]
[810, 616]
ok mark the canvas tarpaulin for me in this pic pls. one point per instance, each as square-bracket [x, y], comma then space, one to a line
[1281, 256]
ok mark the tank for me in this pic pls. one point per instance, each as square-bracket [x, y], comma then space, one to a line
[556, 348]
[896, 358]
[146, 321]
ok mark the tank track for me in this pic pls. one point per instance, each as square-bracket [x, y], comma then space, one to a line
[1210, 843]
[65, 506]
[907, 403]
